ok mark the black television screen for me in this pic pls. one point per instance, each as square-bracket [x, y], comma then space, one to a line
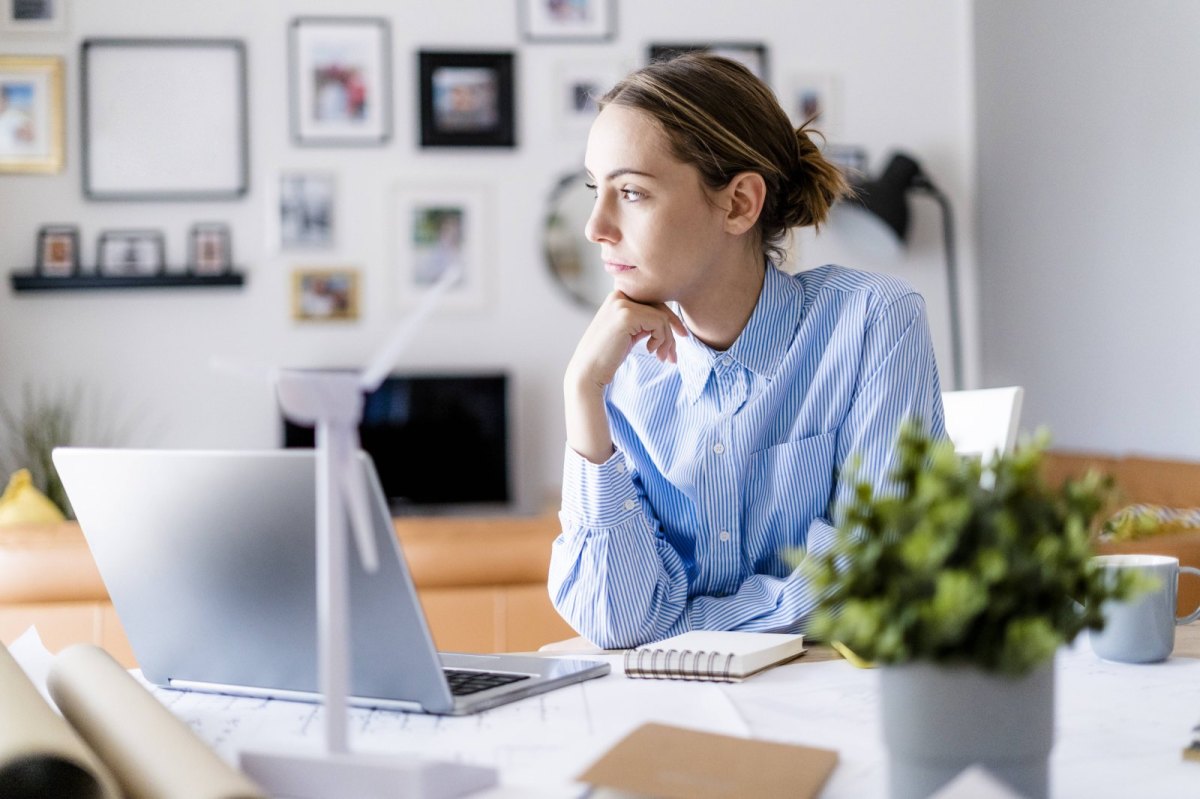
[435, 439]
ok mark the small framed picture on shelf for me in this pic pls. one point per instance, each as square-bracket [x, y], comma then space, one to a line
[325, 295]
[209, 249]
[307, 218]
[577, 87]
[467, 99]
[31, 114]
[131, 253]
[58, 251]
[568, 20]
[751, 55]
[340, 81]
[33, 16]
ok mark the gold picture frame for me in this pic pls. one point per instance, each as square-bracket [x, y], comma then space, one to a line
[31, 114]
[325, 294]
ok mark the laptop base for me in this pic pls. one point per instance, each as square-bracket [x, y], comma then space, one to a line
[333, 775]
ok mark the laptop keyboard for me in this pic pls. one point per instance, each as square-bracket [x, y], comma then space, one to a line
[463, 682]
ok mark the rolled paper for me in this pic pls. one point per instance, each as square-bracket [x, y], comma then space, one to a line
[150, 751]
[40, 754]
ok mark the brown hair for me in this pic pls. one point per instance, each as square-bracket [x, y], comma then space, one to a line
[723, 120]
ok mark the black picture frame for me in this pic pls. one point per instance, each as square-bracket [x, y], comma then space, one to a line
[330, 103]
[131, 253]
[210, 249]
[51, 260]
[546, 21]
[482, 82]
[752, 54]
[179, 130]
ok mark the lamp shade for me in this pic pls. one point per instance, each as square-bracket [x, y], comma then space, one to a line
[886, 196]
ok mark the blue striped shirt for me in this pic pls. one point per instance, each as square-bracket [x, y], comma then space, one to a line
[727, 460]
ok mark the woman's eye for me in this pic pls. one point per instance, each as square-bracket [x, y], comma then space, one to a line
[591, 187]
[633, 195]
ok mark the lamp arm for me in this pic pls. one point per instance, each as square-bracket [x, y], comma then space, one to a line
[923, 184]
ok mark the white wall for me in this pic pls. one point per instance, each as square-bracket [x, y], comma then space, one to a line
[904, 72]
[1088, 123]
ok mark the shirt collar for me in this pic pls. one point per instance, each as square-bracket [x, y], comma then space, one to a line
[761, 344]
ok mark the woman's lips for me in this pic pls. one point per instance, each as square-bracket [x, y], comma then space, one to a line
[616, 267]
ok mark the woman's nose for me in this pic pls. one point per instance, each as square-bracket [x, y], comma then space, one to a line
[600, 227]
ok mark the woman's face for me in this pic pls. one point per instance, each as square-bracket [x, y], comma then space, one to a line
[660, 233]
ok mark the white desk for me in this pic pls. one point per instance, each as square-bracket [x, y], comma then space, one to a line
[1120, 728]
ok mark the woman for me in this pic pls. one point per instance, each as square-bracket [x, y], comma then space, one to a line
[705, 438]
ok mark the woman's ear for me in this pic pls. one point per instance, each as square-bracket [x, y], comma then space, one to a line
[745, 194]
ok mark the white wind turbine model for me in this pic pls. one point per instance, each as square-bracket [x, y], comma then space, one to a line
[333, 402]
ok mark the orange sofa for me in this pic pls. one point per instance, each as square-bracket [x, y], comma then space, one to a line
[481, 581]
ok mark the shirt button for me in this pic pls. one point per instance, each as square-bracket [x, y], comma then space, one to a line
[724, 535]
[630, 504]
[620, 468]
[718, 448]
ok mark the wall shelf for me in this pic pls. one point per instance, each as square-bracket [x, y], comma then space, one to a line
[32, 282]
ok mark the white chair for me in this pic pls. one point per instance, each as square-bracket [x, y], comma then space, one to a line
[983, 421]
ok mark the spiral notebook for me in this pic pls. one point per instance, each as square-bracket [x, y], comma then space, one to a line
[712, 656]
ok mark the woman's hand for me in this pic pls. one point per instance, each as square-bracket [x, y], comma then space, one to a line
[619, 324]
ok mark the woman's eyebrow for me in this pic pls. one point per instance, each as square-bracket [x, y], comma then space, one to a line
[616, 173]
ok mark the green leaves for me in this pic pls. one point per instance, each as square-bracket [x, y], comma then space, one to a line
[962, 562]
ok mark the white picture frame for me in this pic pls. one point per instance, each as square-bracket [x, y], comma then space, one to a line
[569, 21]
[340, 78]
[164, 119]
[40, 17]
[306, 214]
[815, 93]
[436, 228]
[576, 87]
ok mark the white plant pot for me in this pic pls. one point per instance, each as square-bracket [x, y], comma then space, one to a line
[938, 720]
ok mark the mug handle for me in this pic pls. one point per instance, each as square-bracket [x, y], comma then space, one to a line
[1195, 614]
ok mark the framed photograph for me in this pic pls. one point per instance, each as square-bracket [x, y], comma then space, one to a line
[341, 81]
[814, 98]
[577, 87]
[210, 249]
[325, 295]
[164, 119]
[131, 253]
[33, 16]
[568, 20]
[307, 218]
[752, 55]
[467, 100]
[31, 114]
[438, 229]
[58, 251]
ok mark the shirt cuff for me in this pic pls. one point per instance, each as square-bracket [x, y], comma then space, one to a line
[598, 494]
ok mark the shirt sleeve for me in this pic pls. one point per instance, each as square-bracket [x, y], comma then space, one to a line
[898, 379]
[613, 576]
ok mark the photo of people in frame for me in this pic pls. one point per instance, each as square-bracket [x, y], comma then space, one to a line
[438, 243]
[18, 118]
[58, 251]
[306, 210]
[325, 295]
[465, 99]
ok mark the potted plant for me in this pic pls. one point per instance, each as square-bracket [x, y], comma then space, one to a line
[962, 581]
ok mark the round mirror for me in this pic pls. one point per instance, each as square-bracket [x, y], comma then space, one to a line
[574, 261]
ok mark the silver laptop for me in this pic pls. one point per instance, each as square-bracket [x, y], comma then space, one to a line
[210, 560]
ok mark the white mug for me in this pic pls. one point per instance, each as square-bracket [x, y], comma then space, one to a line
[1142, 629]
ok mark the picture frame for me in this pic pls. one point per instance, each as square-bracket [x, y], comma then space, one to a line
[340, 81]
[210, 249]
[814, 98]
[751, 54]
[33, 16]
[307, 210]
[325, 294]
[32, 126]
[568, 20]
[131, 253]
[438, 228]
[577, 87]
[164, 119]
[57, 251]
[466, 99]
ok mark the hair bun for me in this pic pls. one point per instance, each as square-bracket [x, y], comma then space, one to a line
[814, 183]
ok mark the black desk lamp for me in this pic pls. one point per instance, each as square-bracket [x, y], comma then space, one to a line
[886, 198]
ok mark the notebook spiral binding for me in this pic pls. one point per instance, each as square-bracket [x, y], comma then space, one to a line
[678, 664]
